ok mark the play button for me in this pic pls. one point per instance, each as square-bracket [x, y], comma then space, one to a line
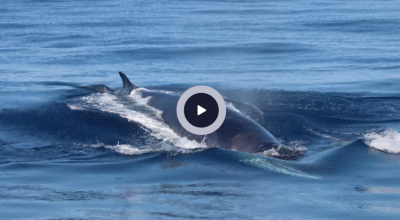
[196, 113]
[201, 110]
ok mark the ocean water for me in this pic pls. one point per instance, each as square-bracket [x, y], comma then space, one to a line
[322, 76]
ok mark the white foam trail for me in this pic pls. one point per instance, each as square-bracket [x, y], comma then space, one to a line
[127, 149]
[268, 164]
[124, 149]
[388, 140]
[137, 110]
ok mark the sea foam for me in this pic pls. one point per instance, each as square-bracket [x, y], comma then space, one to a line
[135, 109]
[388, 140]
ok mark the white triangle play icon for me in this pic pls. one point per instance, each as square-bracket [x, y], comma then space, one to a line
[200, 110]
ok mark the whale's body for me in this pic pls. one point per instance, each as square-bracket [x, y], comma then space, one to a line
[237, 132]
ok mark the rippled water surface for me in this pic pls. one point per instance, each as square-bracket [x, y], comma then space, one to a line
[320, 76]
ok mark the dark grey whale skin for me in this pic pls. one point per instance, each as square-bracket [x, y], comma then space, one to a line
[237, 132]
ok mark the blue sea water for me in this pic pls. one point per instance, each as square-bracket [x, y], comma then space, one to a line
[322, 76]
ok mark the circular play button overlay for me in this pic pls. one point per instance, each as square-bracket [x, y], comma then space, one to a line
[201, 110]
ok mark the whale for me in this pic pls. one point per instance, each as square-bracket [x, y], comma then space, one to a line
[237, 132]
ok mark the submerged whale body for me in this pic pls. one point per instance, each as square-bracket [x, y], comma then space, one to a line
[237, 132]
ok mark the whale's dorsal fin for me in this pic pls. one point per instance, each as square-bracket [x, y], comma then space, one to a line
[128, 86]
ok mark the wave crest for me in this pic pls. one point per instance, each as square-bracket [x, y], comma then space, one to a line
[388, 140]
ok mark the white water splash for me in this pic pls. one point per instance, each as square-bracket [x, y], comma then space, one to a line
[388, 140]
[135, 109]
[271, 152]
[297, 145]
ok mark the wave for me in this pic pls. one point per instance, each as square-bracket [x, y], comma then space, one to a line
[272, 164]
[127, 125]
[387, 140]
